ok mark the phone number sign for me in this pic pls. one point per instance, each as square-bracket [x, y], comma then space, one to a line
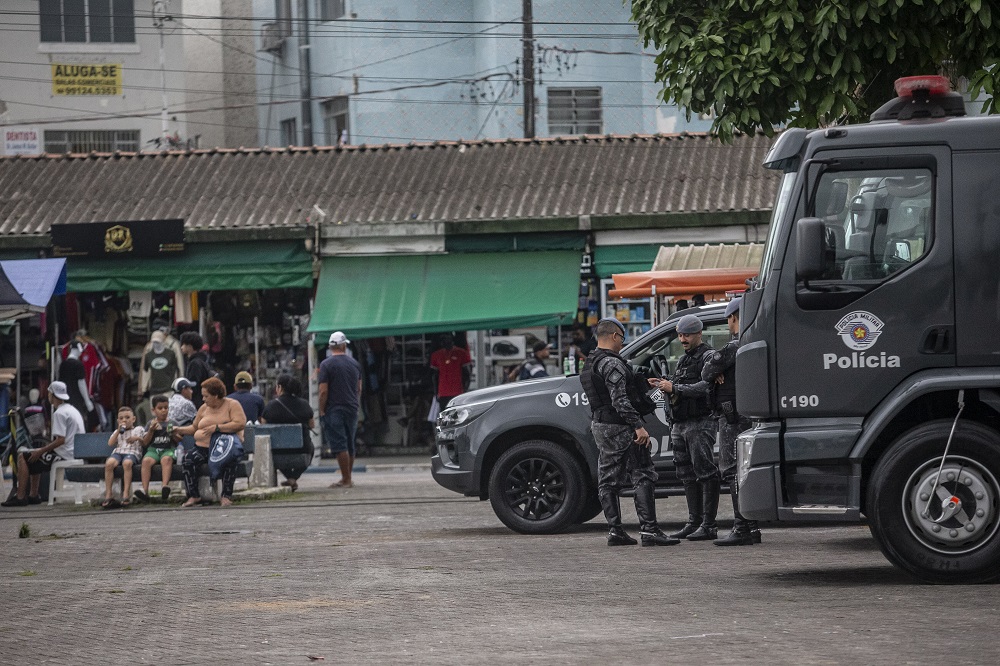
[100, 79]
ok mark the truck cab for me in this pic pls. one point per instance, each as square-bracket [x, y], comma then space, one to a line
[870, 353]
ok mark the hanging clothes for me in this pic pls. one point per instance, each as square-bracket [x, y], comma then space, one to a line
[184, 308]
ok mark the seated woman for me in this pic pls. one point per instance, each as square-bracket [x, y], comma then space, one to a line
[218, 414]
[289, 407]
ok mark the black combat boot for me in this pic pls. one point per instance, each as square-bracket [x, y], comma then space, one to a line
[710, 502]
[695, 511]
[754, 530]
[740, 536]
[617, 536]
[645, 508]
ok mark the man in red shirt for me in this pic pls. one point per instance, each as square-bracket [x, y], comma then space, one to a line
[447, 364]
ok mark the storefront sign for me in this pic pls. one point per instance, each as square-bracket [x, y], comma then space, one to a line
[94, 79]
[22, 141]
[146, 238]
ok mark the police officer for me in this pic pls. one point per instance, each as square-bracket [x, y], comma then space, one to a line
[720, 368]
[693, 432]
[622, 441]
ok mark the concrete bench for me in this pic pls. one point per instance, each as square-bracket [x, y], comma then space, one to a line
[285, 448]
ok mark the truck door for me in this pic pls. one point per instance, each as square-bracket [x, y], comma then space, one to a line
[884, 306]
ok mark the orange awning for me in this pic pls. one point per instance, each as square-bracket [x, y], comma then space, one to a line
[706, 281]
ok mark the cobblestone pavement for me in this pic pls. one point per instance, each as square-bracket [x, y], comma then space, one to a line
[398, 570]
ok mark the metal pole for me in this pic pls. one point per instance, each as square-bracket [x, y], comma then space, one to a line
[17, 362]
[528, 69]
[305, 76]
[159, 15]
[256, 351]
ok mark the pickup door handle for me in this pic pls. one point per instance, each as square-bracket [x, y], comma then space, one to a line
[937, 340]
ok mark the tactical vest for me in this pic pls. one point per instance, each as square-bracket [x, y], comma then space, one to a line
[689, 372]
[597, 391]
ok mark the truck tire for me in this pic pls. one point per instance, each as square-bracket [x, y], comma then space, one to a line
[943, 540]
[537, 487]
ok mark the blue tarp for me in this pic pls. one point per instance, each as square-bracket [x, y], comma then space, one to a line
[35, 281]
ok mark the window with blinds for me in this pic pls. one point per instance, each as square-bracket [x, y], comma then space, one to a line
[87, 141]
[83, 21]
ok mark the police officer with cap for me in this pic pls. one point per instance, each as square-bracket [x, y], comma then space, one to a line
[720, 368]
[693, 432]
[622, 441]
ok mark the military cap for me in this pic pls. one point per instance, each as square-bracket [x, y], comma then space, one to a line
[734, 306]
[689, 324]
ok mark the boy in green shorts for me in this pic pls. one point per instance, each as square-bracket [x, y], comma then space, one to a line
[160, 442]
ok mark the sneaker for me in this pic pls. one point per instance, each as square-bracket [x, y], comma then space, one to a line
[16, 501]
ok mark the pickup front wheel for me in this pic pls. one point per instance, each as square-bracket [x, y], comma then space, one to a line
[941, 527]
[537, 487]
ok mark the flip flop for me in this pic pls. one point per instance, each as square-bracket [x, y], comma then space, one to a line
[126, 502]
[165, 493]
[109, 503]
[141, 496]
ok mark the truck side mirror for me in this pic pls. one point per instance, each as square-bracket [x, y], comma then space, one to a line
[810, 241]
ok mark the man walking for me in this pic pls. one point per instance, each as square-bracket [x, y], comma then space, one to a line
[67, 423]
[693, 433]
[720, 367]
[622, 441]
[339, 400]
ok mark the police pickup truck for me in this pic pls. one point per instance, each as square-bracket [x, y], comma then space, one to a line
[527, 447]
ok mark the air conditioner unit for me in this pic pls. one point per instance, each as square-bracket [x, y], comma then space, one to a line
[272, 38]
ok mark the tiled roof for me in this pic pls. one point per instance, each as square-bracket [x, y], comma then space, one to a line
[425, 182]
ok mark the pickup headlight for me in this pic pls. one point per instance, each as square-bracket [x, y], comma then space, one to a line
[456, 416]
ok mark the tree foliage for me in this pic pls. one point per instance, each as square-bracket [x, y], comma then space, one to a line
[755, 64]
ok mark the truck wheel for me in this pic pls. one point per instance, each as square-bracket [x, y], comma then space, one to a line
[537, 488]
[950, 536]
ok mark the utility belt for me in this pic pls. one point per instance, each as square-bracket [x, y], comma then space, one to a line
[727, 410]
[607, 415]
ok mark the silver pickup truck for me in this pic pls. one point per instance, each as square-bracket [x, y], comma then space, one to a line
[527, 446]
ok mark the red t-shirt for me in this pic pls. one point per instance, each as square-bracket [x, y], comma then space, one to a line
[449, 364]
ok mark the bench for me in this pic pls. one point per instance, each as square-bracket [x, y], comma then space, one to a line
[286, 443]
[91, 450]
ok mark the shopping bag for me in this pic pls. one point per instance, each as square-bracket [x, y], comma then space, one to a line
[225, 450]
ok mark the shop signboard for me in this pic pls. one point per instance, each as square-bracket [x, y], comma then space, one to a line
[73, 79]
[22, 141]
[142, 238]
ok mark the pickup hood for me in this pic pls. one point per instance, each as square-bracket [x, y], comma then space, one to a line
[509, 390]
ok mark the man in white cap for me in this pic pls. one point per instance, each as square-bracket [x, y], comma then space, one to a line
[339, 401]
[66, 424]
[693, 432]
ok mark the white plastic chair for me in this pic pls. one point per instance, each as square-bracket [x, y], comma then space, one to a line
[57, 482]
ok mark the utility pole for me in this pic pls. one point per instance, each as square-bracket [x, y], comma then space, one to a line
[305, 76]
[528, 69]
[159, 18]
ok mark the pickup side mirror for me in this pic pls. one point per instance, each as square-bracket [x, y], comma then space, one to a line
[810, 248]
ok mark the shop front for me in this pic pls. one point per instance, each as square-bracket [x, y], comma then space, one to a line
[394, 309]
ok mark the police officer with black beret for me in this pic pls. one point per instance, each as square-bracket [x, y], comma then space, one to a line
[693, 432]
[622, 441]
[720, 368]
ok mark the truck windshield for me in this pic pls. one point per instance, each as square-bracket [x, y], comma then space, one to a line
[778, 224]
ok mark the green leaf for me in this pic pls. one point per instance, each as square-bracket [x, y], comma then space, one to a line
[765, 44]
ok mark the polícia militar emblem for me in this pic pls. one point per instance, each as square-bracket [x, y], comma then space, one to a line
[118, 239]
[859, 330]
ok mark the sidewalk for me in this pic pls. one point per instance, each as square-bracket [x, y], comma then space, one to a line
[408, 463]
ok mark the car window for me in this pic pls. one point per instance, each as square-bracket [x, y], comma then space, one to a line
[658, 356]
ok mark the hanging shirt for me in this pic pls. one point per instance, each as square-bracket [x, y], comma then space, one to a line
[449, 364]
[162, 369]
[71, 371]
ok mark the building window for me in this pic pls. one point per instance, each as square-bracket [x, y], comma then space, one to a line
[86, 141]
[575, 111]
[289, 133]
[83, 21]
[332, 9]
[335, 122]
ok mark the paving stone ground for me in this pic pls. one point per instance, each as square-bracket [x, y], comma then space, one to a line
[399, 570]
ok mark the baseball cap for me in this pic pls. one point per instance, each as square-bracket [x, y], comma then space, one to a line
[244, 377]
[338, 338]
[689, 324]
[539, 346]
[734, 306]
[58, 389]
[182, 383]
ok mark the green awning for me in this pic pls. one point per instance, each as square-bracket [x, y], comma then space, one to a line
[368, 297]
[612, 259]
[571, 240]
[201, 267]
